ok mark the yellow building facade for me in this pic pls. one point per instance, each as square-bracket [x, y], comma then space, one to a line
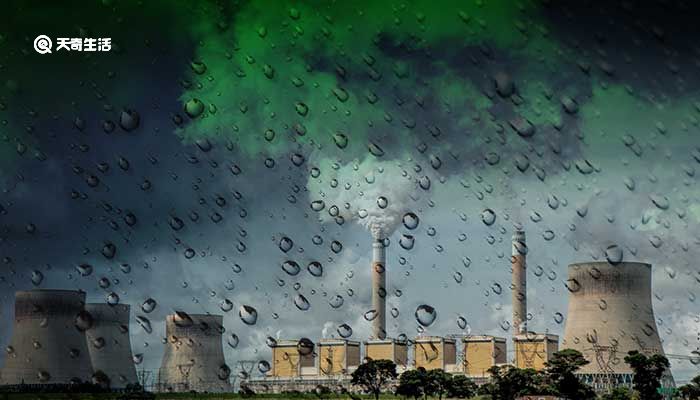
[337, 357]
[387, 349]
[481, 353]
[288, 363]
[433, 352]
[533, 350]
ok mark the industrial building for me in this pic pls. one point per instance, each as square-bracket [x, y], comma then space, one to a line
[48, 343]
[610, 314]
[337, 357]
[481, 353]
[287, 362]
[533, 350]
[194, 355]
[388, 349]
[109, 344]
[431, 352]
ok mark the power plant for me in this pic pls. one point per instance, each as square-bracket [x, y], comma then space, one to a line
[48, 343]
[109, 344]
[58, 339]
[194, 355]
[610, 313]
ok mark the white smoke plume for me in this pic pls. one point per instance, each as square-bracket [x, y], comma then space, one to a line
[374, 194]
[327, 329]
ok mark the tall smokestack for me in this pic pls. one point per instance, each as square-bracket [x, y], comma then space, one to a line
[379, 287]
[519, 282]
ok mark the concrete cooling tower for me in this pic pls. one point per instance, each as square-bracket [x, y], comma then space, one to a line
[610, 313]
[48, 343]
[109, 344]
[194, 355]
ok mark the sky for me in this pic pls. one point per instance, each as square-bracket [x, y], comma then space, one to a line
[177, 163]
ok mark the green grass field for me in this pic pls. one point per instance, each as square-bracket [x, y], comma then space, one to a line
[188, 396]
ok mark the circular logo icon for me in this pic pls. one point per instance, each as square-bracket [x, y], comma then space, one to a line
[42, 44]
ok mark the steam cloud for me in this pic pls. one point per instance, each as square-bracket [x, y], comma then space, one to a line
[360, 190]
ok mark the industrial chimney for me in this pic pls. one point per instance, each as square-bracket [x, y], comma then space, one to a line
[610, 313]
[194, 356]
[519, 284]
[109, 344]
[48, 343]
[378, 287]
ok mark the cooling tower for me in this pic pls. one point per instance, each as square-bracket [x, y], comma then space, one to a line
[109, 344]
[610, 313]
[519, 284]
[379, 289]
[194, 356]
[48, 345]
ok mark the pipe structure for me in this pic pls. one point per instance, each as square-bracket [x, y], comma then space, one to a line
[194, 355]
[48, 343]
[519, 283]
[379, 288]
[109, 344]
[610, 313]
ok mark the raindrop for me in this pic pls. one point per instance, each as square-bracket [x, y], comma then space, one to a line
[112, 299]
[336, 301]
[425, 315]
[291, 267]
[305, 346]
[233, 340]
[226, 305]
[488, 217]
[286, 244]
[315, 268]
[37, 277]
[144, 323]
[407, 241]
[614, 254]
[410, 221]
[370, 315]
[248, 315]
[344, 330]
[263, 366]
[149, 305]
[301, 302]
[382, 202]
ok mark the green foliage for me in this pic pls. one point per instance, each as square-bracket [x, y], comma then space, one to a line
[620, 393]
[510, 382]
[434, 383]
[461, 387]
[560, 375]
[437, 382]
[647, 373]
[412, 383]
[691, 391]
[373, 375]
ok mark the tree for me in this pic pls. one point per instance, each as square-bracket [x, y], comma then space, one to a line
[691, 391]
[619, 393]
[437, 383]
[647, 373]
[560, 371]
[412, 383]
[374, 375]
[510, 382]
[461, 387]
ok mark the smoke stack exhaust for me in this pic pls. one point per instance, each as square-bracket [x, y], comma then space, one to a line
[379, 288]
[519, 284]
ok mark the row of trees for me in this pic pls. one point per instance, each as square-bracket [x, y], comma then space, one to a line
[508, 382]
